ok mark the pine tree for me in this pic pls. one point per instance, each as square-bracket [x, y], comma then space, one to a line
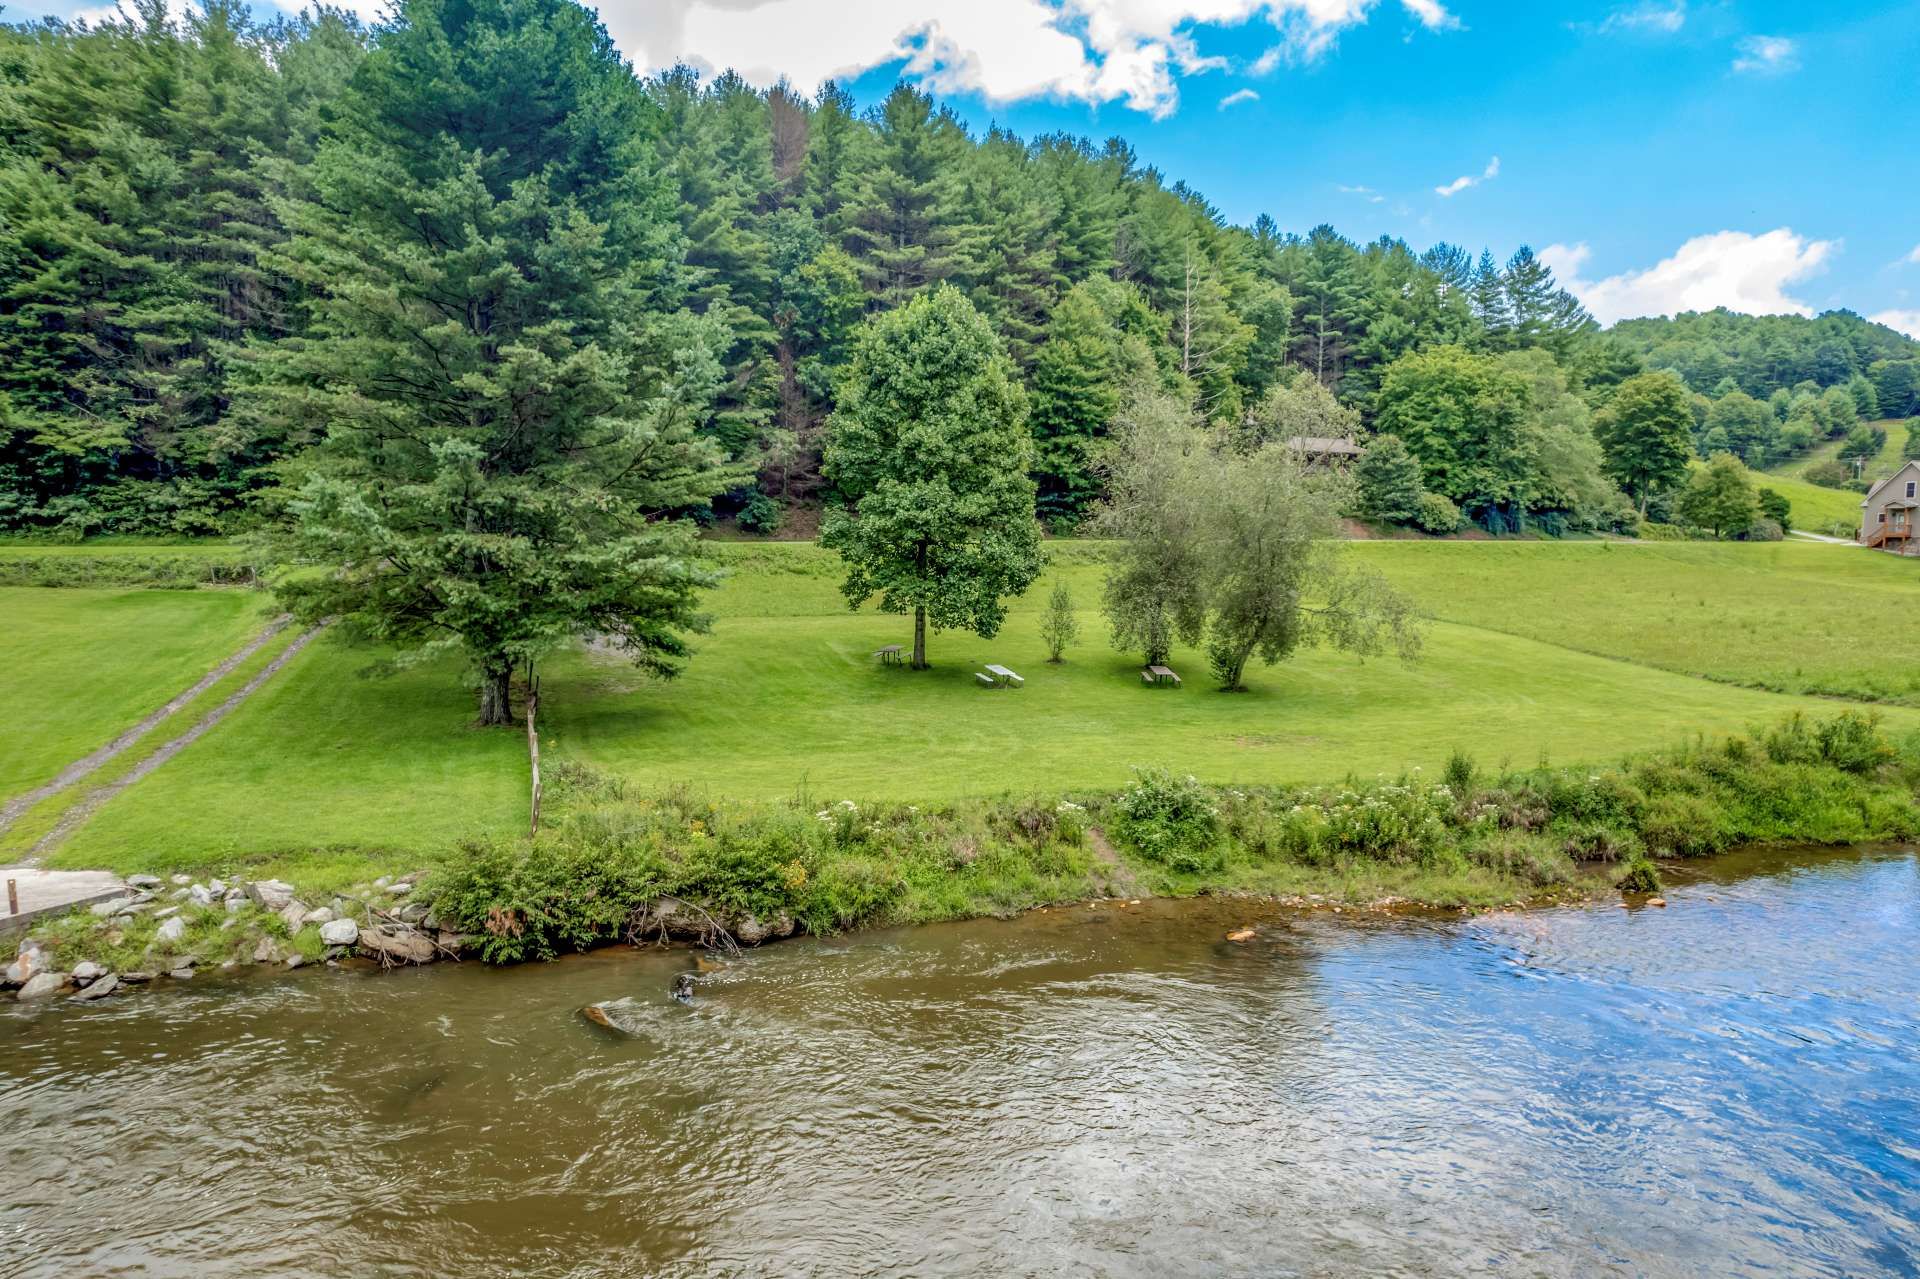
[509, 413]
[903, 225]
[1074, 397]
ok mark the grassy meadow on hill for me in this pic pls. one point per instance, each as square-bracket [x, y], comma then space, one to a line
[1573, 652]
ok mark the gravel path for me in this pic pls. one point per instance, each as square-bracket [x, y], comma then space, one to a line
[82, 768]
[73, 817]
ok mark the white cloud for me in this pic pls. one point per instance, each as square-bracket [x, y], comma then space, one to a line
[1661, 18]
[1370, 195]
[1238, 96]
[1734, 269]
[1767, 55]
[1913, 256]
[1908, 322]
[1005, 50]
[1466, 180]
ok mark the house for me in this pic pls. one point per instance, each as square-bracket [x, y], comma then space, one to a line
[1317, 448]
[1888, 515]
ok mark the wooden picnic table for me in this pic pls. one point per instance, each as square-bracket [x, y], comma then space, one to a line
[1160, 675]
[889, 656]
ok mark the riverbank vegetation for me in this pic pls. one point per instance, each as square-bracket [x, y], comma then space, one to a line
[1464, 837]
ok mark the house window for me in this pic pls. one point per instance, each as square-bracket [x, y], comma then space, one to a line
[1910, 484]
[1883, 517]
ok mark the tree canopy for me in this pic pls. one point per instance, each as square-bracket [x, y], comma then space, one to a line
[928, 456]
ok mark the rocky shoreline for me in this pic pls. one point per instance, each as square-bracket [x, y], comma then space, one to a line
[163, 930]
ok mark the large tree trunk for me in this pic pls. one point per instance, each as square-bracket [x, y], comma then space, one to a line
[920, 613]
[496, 693]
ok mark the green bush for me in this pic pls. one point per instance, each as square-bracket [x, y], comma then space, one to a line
[1640, 876]
[1437, 514]
[1169, 819]
[1827, 474]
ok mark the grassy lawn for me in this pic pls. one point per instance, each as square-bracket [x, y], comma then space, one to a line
[1787, 616]
[319, 766]
[85, 665]
[1576, 652]
[1882, 464]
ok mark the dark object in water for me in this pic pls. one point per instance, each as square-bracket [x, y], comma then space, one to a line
[683, 988]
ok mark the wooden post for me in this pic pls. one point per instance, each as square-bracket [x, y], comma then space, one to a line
[533, 752]
[13, 897]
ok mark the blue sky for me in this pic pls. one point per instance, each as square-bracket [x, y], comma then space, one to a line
[1669, 153]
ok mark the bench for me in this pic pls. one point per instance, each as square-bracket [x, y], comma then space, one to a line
[985, 680]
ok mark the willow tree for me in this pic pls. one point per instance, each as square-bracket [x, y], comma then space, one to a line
[928, 454]
[507, 402]
[1234, 550]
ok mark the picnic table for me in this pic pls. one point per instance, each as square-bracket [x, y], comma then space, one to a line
[1004, 678]
[1160, 677]
[889, 656]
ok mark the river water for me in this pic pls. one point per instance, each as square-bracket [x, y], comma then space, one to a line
[1729, 1086]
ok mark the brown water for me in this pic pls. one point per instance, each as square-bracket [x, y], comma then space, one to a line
[1728, 1086]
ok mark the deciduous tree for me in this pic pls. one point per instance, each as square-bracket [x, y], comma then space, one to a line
[929, 457]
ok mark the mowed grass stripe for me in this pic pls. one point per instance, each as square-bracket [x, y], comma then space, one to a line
[317, 761]
[89, 664]
[34, 823]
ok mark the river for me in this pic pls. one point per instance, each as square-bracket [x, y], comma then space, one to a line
[1729, 1086]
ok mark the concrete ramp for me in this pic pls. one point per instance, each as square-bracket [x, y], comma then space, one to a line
[51, 892]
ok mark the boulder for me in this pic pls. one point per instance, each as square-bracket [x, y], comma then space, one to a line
[182, 880]
[271, 893]
[111, 907]
[166, 912]
[135, 978]
[296, 960]
[339, 932]
[622, 1016]
[42, 986]
[292, 913]
[266, 952]
[143, 881]
[171, 930]
[22, 969]
[235, 904]
[318, 915]
[181, 974]
[218, 887]
[451, 943]
[402, 946]
[86, 970]
[200, 895]
[414, 913]
[400, 889]
[100, 989]
[749, 931]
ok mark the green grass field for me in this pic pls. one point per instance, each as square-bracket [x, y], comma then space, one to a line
[89, 664]
[1572, 651]
[1880, 465]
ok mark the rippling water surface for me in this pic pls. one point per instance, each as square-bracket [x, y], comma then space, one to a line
[1728, 1086]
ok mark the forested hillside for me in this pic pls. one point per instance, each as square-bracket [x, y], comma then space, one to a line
[165, 190]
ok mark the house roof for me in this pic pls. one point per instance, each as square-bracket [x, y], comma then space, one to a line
[1890, 479]
[1324, 444]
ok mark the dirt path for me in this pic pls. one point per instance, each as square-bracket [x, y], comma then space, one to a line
[81, 768]
[73, 817]
[1120, 880]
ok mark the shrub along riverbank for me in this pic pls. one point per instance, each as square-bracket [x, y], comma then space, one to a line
[617, 863]
[600, 873]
